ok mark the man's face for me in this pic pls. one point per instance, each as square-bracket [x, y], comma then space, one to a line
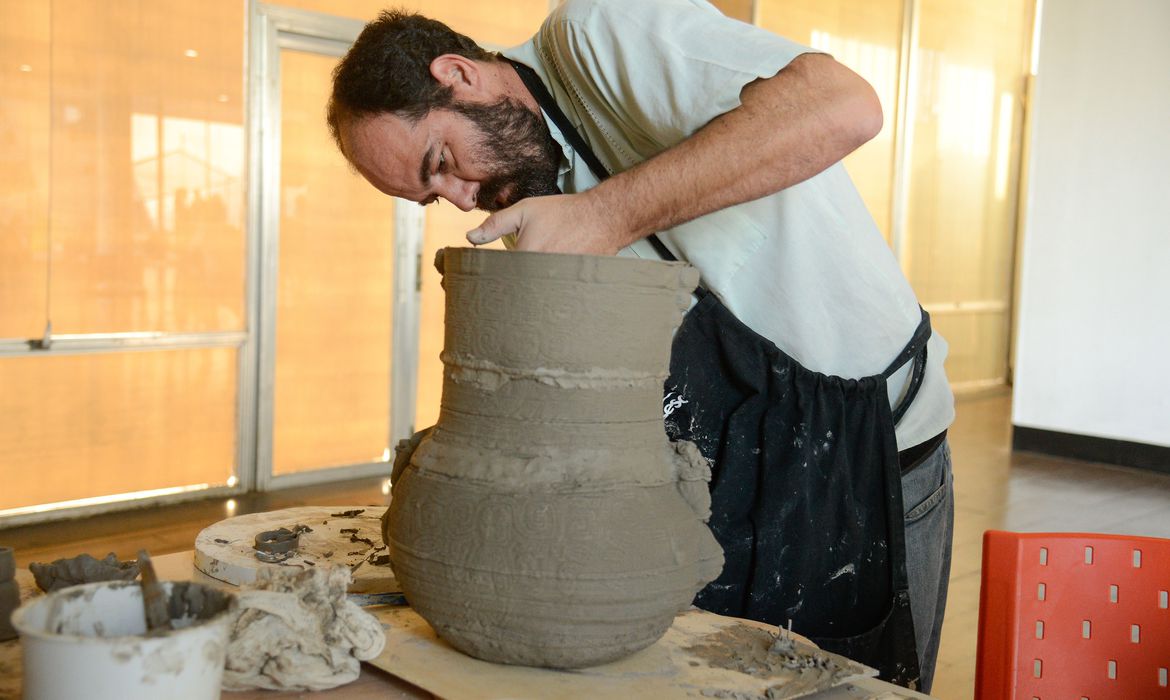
[474, 155]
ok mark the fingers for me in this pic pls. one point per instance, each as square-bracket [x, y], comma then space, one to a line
[499, 224]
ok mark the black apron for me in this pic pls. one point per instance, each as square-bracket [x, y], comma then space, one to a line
[806, 484]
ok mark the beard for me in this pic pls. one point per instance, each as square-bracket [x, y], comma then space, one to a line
[517, 152]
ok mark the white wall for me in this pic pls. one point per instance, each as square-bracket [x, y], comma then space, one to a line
[1093, 353]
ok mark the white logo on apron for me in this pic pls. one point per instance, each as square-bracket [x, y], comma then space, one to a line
[670, 404]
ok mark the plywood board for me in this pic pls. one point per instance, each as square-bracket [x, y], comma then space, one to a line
[677, 666]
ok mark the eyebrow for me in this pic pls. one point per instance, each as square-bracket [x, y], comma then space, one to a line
[424, 169]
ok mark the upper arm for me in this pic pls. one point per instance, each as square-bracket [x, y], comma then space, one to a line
[842, 101]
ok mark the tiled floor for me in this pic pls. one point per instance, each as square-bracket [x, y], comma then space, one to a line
[995, 489]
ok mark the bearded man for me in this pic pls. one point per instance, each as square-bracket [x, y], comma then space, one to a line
[806, 371]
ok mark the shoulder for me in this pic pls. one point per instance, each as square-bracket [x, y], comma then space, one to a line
[598, 33]
[621, 16]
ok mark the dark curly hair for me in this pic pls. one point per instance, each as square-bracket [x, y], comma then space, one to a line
[388, 69]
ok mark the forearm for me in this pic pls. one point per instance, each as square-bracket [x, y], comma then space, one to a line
[787, 129]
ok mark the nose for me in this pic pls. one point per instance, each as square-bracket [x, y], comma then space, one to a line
[461, 193]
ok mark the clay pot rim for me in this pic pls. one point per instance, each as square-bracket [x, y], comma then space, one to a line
[569, 267]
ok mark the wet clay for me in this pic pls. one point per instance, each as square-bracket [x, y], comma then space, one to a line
[84, 568]
[295, 630]
[546, 519]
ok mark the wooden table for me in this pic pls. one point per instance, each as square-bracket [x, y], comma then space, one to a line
[372, 683]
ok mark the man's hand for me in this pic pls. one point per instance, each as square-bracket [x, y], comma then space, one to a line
[561, 223]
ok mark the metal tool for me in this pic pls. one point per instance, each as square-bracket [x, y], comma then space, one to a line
[365, 600]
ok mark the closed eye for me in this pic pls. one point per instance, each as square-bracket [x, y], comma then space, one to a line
[440, 167]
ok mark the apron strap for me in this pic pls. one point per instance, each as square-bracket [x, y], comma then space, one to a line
[549, 105]
[915, 351]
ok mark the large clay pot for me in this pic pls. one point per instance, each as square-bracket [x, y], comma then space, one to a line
[546, 520]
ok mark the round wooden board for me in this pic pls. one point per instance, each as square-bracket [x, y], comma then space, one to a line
[339, 536]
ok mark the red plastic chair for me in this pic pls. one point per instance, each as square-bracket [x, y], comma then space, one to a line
[1073, 616]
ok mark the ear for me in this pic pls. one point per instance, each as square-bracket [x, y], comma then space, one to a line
[461, 74]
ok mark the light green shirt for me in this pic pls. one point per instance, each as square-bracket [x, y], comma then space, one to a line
[805, 267]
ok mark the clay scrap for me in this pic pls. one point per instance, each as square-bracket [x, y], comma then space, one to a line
[546, 520]
[275, 546]
[296, 630]
[9, 593]
[84, 568]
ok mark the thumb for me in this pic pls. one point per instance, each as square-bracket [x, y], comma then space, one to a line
[498, 224]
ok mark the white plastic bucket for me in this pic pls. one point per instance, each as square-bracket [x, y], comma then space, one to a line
[90, 642]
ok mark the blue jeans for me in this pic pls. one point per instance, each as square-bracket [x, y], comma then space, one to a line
[928, 497]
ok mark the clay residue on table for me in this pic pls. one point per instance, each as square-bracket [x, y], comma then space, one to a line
[790, 668]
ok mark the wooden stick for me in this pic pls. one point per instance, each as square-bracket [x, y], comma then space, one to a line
[153, 597]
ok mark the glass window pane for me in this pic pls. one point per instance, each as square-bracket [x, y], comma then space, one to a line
[24, 160]
[147, 163]
[85, 426]
[335, 296]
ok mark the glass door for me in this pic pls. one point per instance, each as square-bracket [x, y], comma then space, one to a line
[961, 190]
[337, 342]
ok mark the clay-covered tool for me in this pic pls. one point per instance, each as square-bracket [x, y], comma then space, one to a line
[153, 596]
[365, 600]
